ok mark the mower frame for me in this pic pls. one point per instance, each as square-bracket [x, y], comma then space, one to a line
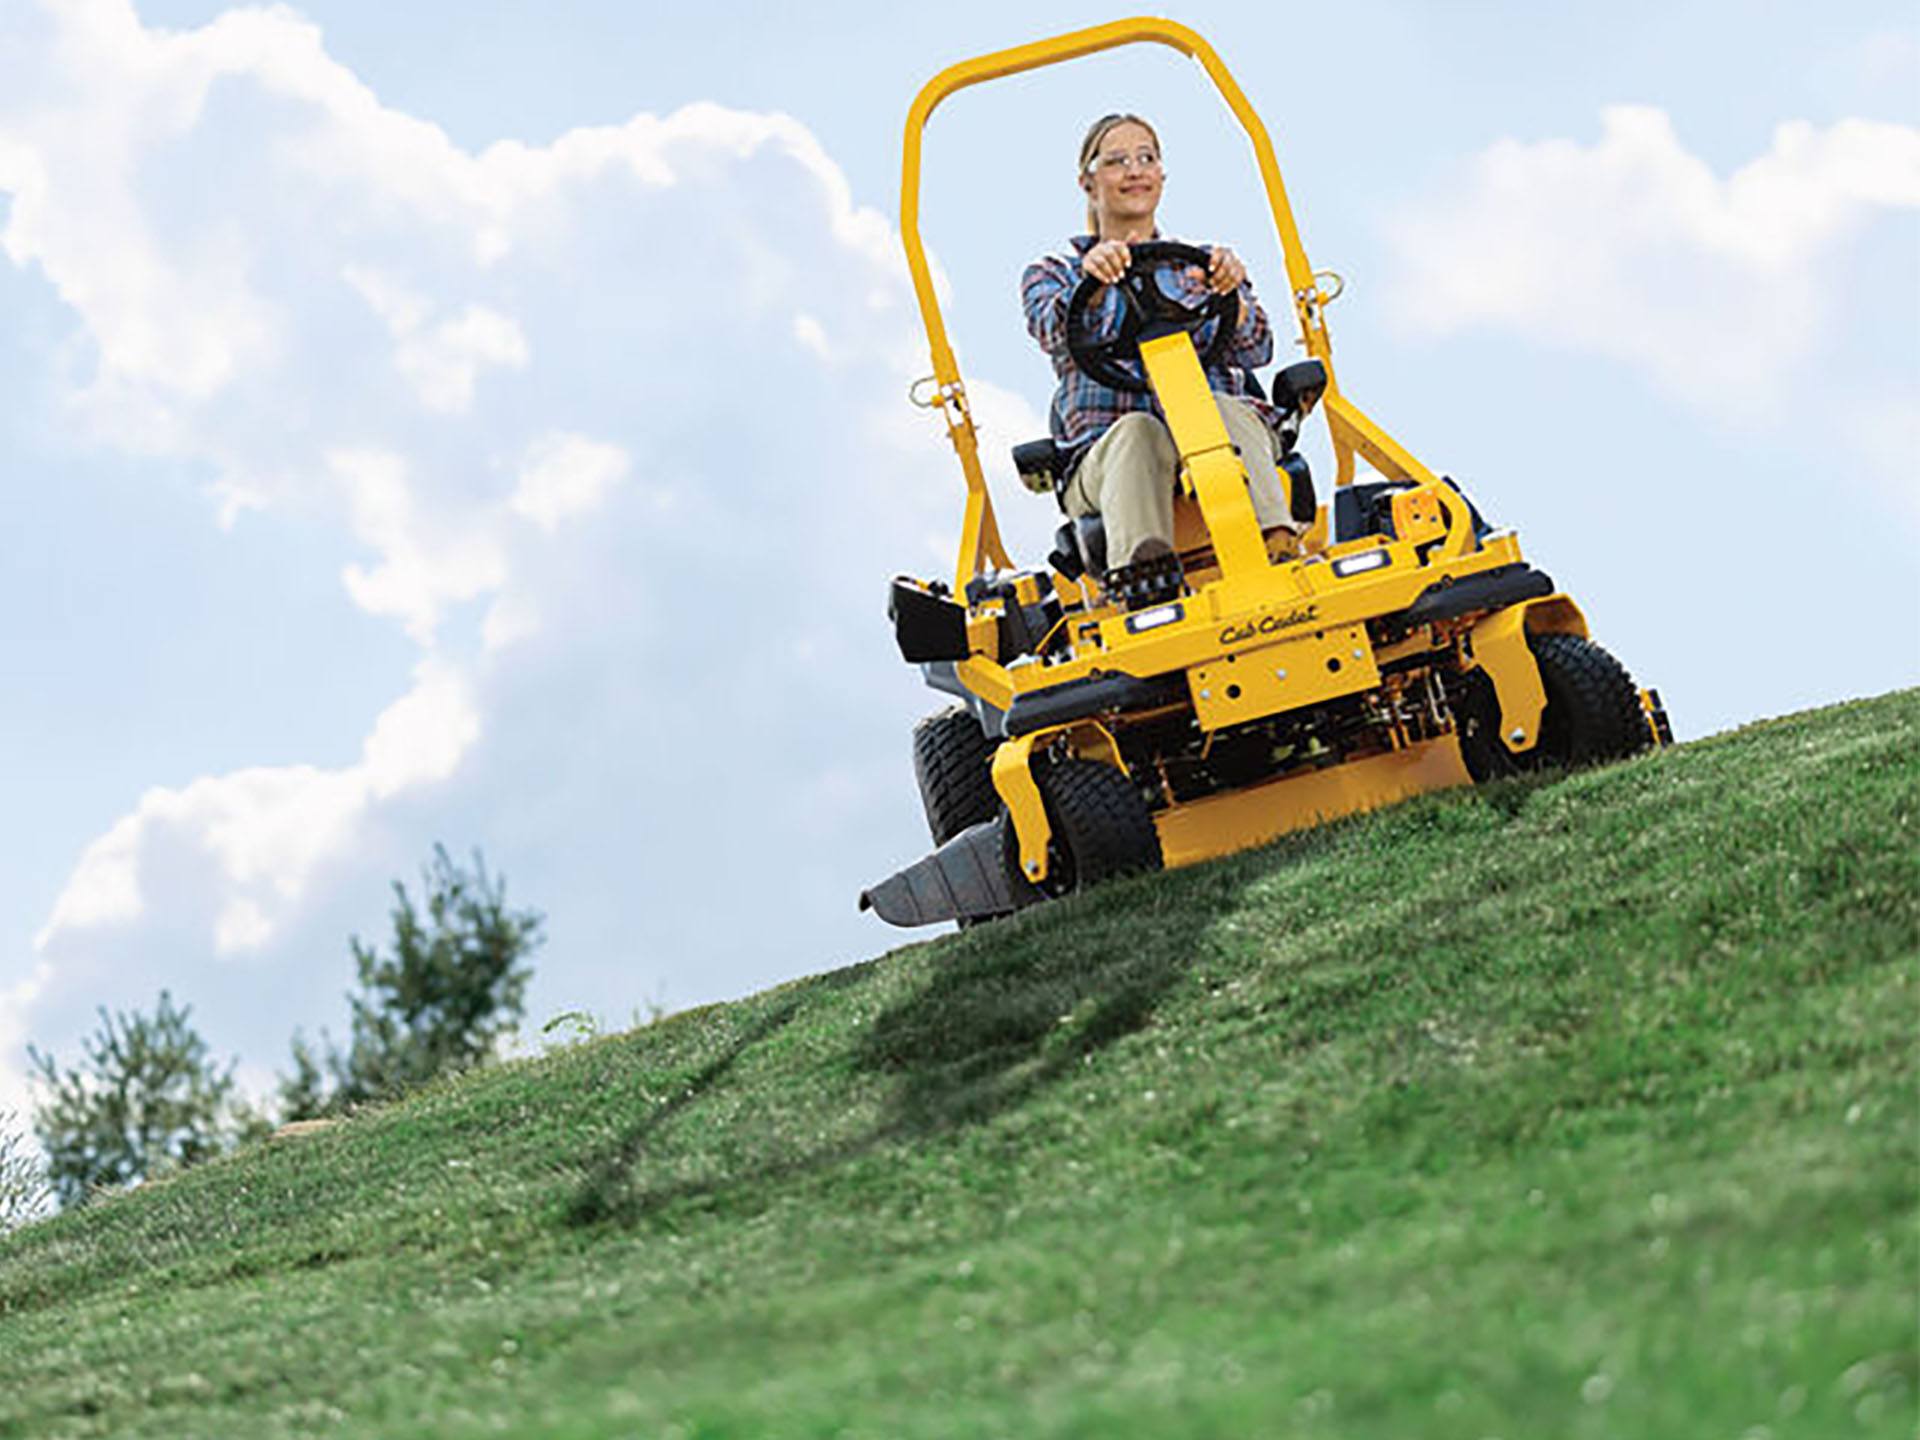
[1368, 622]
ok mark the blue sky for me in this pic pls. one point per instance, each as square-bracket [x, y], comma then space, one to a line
[372, 483]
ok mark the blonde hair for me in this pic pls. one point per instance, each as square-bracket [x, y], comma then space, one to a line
[1090, 147]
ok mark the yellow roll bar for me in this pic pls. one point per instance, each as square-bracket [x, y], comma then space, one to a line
[1352, 431]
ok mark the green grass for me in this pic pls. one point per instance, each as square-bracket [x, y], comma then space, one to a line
[1577, 1107]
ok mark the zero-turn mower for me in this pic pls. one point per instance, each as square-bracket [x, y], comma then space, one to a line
[1227, 696]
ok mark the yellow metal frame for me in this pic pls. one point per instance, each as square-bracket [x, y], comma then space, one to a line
[1013, 780]
[1500, 649]
[1353, 433]
[1209, 464]
[1498, 645]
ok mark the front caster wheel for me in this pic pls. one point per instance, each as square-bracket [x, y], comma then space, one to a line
[1593, 712]
[1102, 828]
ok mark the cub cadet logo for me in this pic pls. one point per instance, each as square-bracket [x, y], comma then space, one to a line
[1269, 624]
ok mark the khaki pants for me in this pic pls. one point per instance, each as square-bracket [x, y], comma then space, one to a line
[1127, 477]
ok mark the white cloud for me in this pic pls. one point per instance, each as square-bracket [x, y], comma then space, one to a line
[16, 1002]
[627, 525]
[442, 362]
[1633, 248]
[566, 475]
[266, 831]
[420, 738]
[426, 559]
[104, 888]
[812, 334]
[242, 925]
[510, 619]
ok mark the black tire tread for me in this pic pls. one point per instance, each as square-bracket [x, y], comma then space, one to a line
[1100, 821]
[953, 764]
[1593, 708]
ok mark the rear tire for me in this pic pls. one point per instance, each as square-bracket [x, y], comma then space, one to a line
[1102, 828]
[953, 763]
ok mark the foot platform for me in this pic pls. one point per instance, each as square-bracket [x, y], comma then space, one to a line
[1146, 582]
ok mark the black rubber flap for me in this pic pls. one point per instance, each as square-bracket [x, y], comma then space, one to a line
[964, 878]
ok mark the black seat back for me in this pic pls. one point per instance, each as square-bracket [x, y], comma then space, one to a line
[1038, 460]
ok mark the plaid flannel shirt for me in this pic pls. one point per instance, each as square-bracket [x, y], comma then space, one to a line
[1083, 408]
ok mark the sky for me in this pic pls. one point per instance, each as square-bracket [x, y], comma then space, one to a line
[486, 425]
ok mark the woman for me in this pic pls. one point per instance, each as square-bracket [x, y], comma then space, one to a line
[1121, 456]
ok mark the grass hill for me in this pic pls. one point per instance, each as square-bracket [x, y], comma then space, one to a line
[1582, 1107]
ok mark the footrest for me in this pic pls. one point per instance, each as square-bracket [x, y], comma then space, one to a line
[1146, 582]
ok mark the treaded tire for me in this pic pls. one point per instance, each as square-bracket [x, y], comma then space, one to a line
[953, 763]
[1593, 712]
[1593, 708]
[1476, 711]
[1102, 829]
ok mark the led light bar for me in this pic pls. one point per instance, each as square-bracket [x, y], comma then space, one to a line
[1359, 564]
[1153, 619]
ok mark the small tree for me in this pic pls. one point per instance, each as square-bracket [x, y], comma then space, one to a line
[148, 1097]
[455, 979]
[23, 1180]
[303, 1094]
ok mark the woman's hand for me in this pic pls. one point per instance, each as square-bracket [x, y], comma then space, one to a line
[1107, 262]
[1226, 272]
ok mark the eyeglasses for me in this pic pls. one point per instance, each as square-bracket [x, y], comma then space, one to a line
[1139, 160]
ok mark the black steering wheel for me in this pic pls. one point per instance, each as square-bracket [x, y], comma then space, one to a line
[1147, 312]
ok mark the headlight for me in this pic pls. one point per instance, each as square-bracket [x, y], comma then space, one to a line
[1153, 619]
[1366, 560]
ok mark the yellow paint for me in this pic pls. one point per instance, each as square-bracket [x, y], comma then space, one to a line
[1353, 433]
[1093, 741]
[988, 679]
[1459, 539]
[1315, 666]
[1221, 824]
[1555, 615]
[1500, 648]
[1102, 641]
[983, 634]
[1418, 515]
[1316, 537]
[1209, 464]
[1013, 779]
